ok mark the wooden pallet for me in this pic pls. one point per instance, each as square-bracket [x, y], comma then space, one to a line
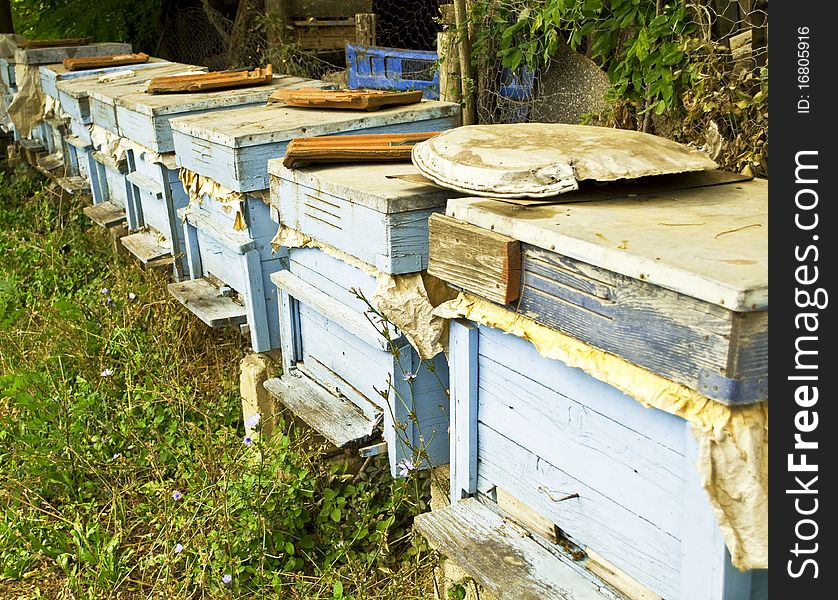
[202, 82]
[96, 62]
[384, 147]
[345, 99]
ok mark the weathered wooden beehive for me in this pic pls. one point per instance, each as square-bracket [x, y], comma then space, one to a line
[364, 232]
[94, 148]
[610, 361]
[155, 190]
[230, 152]
[73, 148]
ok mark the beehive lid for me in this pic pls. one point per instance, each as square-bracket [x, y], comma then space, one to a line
[538, 160]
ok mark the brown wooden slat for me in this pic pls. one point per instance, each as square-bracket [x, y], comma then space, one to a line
[477, 260]
[202, 82]
[352, 148]
[28, 44]
[96, 62]
[346, 99]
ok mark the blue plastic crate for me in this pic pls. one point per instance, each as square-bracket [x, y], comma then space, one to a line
[376, 67]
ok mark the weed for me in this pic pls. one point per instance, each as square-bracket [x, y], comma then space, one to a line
[125, 468]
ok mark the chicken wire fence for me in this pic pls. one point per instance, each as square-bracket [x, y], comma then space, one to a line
[691, 70]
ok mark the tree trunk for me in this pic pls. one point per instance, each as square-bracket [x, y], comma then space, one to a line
[6, 24]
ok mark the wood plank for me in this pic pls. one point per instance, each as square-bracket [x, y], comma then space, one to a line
[708, 243]
[51, 162]
[74, 184]
[381, 147]
[147, 246]
[96, 62]
[38, 56]
[333, 417]
[463, 359]
[500, 557]
[200, 217]
[205, 301]
[369, 100]
[77, 41]
[706, 347]
[146, 183]
[216, 80]
[478, 260]
[627, 585]
[319, 9]
[105, 214]
[525, 516]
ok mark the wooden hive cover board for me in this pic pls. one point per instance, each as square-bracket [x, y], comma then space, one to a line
[82, 87]
[537, 160]
[137, 100]
[706, 243]
[62, 72]
[55, 54]
[257, 125]
[213, 80]
[371, 148]
[345, 99]
[375, 186]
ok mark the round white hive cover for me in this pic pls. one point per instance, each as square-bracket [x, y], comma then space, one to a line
[537, 160]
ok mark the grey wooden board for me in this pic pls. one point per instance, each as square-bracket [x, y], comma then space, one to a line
[146, 183]
[74, 184]
[39, 56]
[256, 125]
[168, 104]
[58, 69]
[708, 243]
[105, 214]
[501, 557]
[335, 418]
[205, 220]
[722, 354]
[374, 185]
[82, 87]
[206, 303]
[145, 246]
[77, 142]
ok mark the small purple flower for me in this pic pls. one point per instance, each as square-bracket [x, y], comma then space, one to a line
[253, 420]
[177, 495]
[117, 456]
[106, 373]
[178, 548]
[107, 301]
[226, 579]
[405, 466]
[247, 441]
[104, 291]
[409, 376]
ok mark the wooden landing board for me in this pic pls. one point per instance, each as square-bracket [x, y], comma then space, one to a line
[475, 259]
[344, 99]
[146, 246]
[98, 62]
[214, 80]
[74, 184]
[502, 557]
[707, 243]
[105, 214]
[381, 147]
[204, 300]
[51, 162]
[333, 417]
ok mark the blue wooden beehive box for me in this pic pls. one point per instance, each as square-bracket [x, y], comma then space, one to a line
[156, 193]
[332, 354]
[72, 140]
[232, 149]
[105, 170]
[616, 292]
[45, 132]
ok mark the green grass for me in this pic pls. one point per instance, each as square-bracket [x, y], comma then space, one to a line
[113, 397]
